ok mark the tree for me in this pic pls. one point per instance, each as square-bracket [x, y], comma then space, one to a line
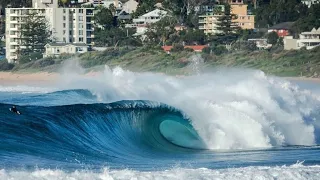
[35, 33]
[277, 11]
[272, 38]
[104, 19]
[184, 9]
[228, 30]
[144, 6]
[16, 3]
[162, 30]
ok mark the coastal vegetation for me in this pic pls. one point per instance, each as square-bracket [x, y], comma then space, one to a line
[274, 61]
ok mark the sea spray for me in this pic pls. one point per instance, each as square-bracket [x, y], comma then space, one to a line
[233, 109]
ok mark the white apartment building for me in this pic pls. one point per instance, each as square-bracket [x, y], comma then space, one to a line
[68, 25]
[309, 40]
[141, 23]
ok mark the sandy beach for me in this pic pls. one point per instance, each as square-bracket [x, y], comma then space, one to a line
[9, 78]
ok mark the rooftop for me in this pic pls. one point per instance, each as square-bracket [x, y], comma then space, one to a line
[284, 25]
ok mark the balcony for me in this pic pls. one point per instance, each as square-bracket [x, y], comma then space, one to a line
[14, 29]
[13, 36]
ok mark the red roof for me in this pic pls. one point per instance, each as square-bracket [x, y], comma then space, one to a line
[198, 48]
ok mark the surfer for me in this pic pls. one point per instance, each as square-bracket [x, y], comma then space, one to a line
[14, 110]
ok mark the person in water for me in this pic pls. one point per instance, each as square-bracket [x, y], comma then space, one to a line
[14, 110]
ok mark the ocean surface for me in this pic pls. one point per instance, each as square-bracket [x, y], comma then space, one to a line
[125, 125]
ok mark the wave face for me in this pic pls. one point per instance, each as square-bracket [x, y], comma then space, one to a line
[104, 131]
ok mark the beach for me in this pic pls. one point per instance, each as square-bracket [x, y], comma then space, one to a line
[9, 78]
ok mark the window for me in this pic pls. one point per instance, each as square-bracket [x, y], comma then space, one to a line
[80, 32]
[248, 17]
[80, 10]
[81, 39]
[64, 18]
[64, 25]
[64, 32]
[64, 39]
[64, 10]
[80, 25]
[80, 18]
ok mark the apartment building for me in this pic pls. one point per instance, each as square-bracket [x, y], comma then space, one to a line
[68, 25]
[243, 20]
[208, 20]
[211, 13]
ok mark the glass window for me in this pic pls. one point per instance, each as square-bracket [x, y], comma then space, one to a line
[80, 10]
[80, 25]
[80, 18]
[80, 39]
[80, 32]
[64, 25]
[64, 18]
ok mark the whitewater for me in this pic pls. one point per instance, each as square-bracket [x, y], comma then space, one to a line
[118, 124]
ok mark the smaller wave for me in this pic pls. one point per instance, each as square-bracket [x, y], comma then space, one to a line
[296, 171]
[26, 89]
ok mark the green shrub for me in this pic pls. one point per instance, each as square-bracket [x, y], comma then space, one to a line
[188, 50]
[43, 63]
[177, 48]
[207, 50]
[5, 66]
[30, 57]
[218, 50]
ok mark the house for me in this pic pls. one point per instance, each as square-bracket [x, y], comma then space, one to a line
[68, 25]
[141, 23]
[282, 29]
[309, 40]
[56, 49]
[261, 43]
[196, 48]
[310, 2]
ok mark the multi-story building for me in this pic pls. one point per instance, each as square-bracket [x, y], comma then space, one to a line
[211, 13]
[209, 18]
[243, 20]
[68, 25]
[309, 40]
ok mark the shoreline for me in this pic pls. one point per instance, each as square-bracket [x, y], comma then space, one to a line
[9, 78]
